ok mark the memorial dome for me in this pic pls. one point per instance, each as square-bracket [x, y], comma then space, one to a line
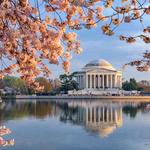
[101, 63]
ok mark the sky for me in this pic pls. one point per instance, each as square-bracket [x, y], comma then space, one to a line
[98, 46]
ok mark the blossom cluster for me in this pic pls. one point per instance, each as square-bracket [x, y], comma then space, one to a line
[31, 40]
[5, 131]
[143, 64]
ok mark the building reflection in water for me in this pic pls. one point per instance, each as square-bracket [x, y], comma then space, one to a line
[96, 116]
[99, 117]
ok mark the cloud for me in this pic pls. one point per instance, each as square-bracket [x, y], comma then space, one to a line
[97, 46]
[115, 51]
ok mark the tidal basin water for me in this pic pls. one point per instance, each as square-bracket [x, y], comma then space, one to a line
[77, 125]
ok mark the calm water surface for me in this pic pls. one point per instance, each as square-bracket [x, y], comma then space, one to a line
[77, 125]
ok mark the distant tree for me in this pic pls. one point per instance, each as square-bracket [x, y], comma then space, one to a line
[56, 84]
[125, 85]
[16, 83]
[68, 82]
[130, 85]
[47, 86]
[133, 84]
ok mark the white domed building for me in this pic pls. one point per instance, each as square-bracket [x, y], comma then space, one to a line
[99, 75]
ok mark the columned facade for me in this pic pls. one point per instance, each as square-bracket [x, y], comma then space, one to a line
[99, 116]
[104, 114]
[97, 81]
[101, 75]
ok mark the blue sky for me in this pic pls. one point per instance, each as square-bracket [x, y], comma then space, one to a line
[98, 46]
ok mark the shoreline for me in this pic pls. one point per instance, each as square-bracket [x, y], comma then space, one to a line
[79, 97]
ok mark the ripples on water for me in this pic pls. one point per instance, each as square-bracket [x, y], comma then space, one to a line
[77, 125]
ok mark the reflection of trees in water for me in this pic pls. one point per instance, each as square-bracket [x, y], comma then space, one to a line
[130, 110]
[133, 109]
[68, 112]
[38, 109]
[42, 109]
[99, 117]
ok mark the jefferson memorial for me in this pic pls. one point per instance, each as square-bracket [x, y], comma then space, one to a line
[98, 76]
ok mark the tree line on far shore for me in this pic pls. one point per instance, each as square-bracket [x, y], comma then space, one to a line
[61, 85]
[132, 84]
[16, 85]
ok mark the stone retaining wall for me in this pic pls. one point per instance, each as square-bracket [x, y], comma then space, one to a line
[84, 97]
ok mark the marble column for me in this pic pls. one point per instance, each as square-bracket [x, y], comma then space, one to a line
[86, 81]
[111, 81]
[99, 81]
[90, 81]
[115, 81]
[107, 81]
[118, 81]
[103, 81]
[98, 78]
[94, 81]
